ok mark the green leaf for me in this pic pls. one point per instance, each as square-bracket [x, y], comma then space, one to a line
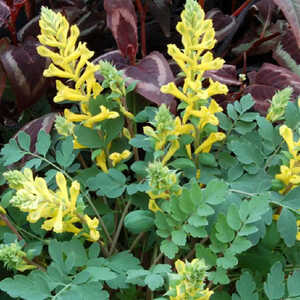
[224, 233]
[179, 237]
[123, 261]
[43, 143]
[196, 232]
[101, 273]
[11, 152]
[215, 192]
[220, 276]
[141, 141]
[274, 287]
[266, 129]
[232, 112]
[206, 254]
[291, 200]
[24, 140]
[139, 167]
[287, 227]
[233, 218]
[292, 116]
[134, 188]
[246, 103]
[154, 281]
[64, 154]
[228, 261]
[94, 250]
[88, 137]
[31, 287]
[240, 244]
[137, 277]
[139, 221]
[111, 184]
[168, 248]
[225, 122]
[246, 287]
[186, 165]
[208, 159]
[293, 285]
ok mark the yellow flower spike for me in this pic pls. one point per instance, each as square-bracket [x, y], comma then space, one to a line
[153, 206]
[101, 161]
[103, 115]
[207, 144]
[175, 145]
[117, 157]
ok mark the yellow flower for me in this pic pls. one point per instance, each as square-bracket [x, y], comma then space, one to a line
[101, 161]
[207, 144]
[153, 206]
[175, 145]
[287, 135]
[207, 115]
[92, 224]
[117, 157]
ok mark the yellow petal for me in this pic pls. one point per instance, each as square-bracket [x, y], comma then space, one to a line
[101, 161]
[207, 144]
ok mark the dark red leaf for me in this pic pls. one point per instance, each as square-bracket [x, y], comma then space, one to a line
[152, 72]
[122, 21]
[24, 69]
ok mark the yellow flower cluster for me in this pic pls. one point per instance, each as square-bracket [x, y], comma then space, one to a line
[59, 208]
[290, 175]
[190, 281]
[193, 62]
[70, 62]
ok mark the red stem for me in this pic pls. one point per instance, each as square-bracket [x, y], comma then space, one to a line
[238, 11]
[201, 2]
[142, 11]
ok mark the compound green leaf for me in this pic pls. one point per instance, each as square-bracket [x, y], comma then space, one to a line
[246, 288]
[154, 281]
[215, 192]
[179, 237]
[293, 285]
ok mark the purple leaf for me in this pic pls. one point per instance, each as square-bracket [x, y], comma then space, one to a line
[24, 69]
[4, 13]
[152, 72]
[291, 10]
[269, 79]
[287, 53]
[227, 75]
[160, 10]
[223, 24]
[32, 129]
[122, 21]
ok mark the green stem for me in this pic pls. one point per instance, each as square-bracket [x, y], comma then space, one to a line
[117, 234]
